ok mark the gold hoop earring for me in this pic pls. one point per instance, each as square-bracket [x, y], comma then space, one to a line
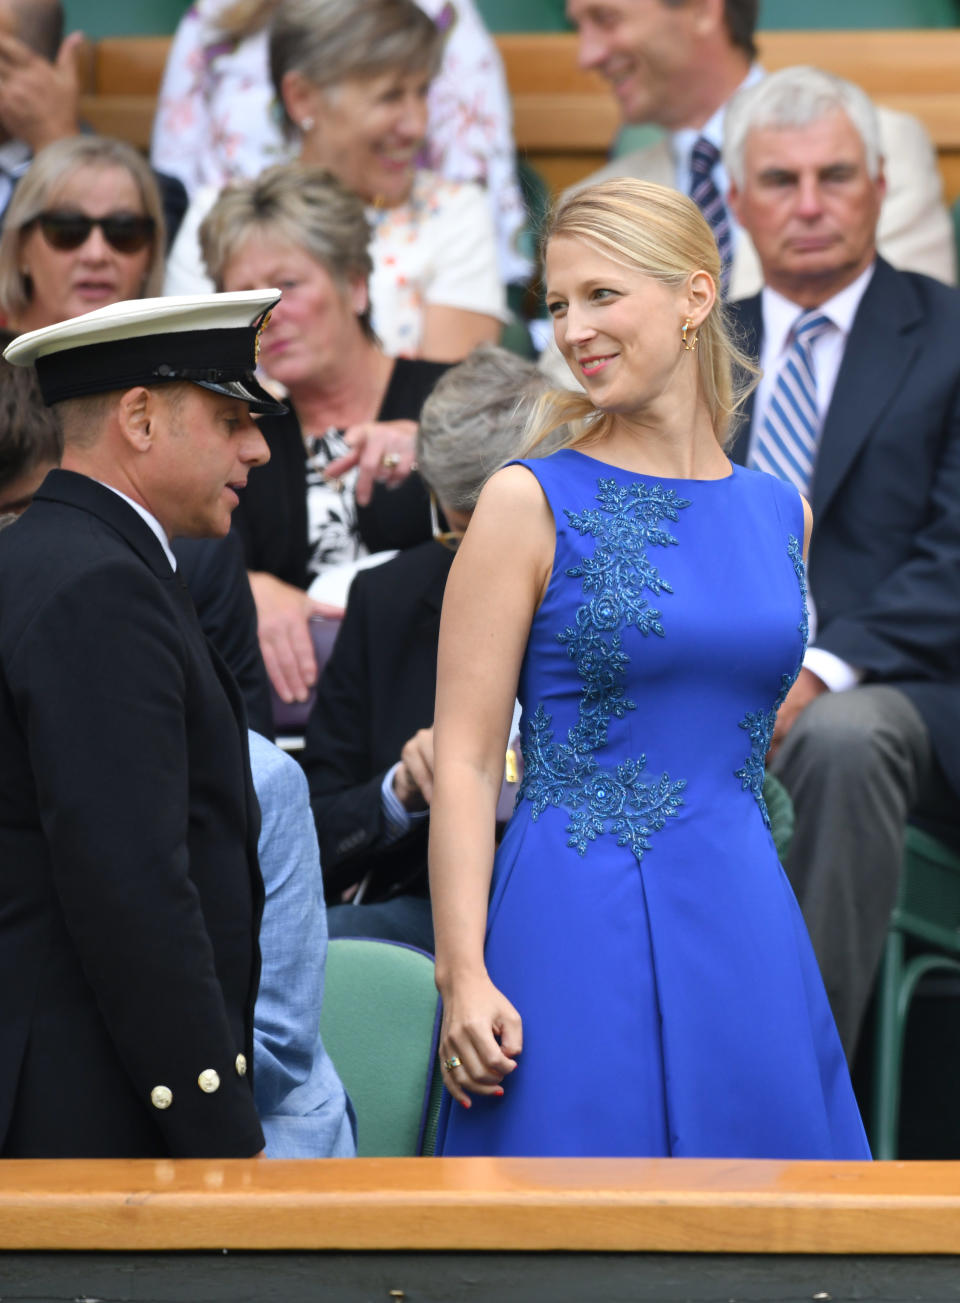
[692, 343]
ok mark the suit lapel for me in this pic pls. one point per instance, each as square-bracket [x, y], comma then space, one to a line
[76, 490]
[747, 319]
[880, 351]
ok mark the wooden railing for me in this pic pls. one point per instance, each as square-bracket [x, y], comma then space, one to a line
[584, 1205]
[565, 118]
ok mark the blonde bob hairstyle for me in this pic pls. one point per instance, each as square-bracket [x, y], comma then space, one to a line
[306, 208]
[332, 41]
[50, 170]
[661, 233]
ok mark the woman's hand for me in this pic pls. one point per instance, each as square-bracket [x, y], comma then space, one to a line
[483, 1031]
[282, 615]
[383, 452]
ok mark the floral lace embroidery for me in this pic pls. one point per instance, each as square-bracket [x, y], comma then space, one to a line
[759, 723]
[613, 800]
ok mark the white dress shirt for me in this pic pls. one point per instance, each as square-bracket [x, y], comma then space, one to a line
[151, 521]
[779, 316]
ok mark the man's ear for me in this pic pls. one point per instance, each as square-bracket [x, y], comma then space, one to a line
[707, 16]
[137, 414]
[733, 201]
[881, 181]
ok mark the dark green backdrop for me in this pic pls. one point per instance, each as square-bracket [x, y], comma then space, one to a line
[116, 18]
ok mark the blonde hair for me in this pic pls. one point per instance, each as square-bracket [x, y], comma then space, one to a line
[661, 233]
[51, 169]
[305, 207]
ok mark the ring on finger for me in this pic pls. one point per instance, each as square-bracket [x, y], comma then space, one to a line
[448, 1065]
[390, 461]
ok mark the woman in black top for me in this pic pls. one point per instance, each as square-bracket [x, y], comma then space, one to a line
[348, 438]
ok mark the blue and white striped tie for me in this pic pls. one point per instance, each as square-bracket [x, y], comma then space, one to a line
[708, 199]
[786, 443]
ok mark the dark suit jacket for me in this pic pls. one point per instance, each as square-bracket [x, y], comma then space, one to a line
[272, 516]
[885, 552]
[131, 895]
[215, 572]
[377, 690]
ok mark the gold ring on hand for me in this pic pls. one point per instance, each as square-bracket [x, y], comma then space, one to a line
[390, 461]
[449, 1064]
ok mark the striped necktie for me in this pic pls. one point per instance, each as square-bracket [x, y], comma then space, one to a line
[786, 443]
[708, 199]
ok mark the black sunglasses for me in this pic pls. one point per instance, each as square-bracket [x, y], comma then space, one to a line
[65, 229]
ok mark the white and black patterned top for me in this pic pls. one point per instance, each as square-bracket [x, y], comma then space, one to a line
[333, 535]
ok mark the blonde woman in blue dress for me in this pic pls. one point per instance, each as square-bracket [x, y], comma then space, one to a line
[629, 973]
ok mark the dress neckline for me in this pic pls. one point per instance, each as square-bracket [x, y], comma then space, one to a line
[657, 479]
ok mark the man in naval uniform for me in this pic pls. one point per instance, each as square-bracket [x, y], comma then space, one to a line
[131, 896]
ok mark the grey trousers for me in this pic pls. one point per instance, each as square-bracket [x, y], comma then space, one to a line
[854, 763]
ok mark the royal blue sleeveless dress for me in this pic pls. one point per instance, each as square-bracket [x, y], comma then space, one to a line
[639, 919]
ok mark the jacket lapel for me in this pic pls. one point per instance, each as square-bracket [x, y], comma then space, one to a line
[880, 351]
[76, 490]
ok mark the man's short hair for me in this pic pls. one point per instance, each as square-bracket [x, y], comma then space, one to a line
[797, 97]
[740, 18]
[39, 25]
[29, 431]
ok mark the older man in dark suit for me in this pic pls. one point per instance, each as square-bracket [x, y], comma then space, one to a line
[128, 827]
[859, 406]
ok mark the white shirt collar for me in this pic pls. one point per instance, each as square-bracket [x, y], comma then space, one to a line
[150, 520]
[15, 157]
[683, 141]
[780, 313]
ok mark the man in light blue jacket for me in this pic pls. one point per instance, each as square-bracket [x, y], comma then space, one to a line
[303, 1107]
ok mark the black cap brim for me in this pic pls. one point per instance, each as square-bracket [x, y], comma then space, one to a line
[248, 391]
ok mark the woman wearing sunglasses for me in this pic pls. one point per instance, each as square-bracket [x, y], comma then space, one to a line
[84, 229]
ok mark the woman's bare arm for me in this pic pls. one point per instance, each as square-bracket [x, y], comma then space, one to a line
[495, 586]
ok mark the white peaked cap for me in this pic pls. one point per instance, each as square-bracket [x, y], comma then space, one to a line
[208, 339]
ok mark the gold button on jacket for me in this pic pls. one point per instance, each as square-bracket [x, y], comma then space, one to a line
[241, 1065]
[161, 1097]
[209, 1081]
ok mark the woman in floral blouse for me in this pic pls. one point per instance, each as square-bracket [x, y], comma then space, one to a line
[217, 119]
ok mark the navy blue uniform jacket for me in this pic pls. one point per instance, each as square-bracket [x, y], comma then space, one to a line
[130, 895]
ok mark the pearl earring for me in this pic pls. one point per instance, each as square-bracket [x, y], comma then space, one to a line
[307, 124]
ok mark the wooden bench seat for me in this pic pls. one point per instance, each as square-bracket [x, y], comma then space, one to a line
[565, 119]
[585, 1205]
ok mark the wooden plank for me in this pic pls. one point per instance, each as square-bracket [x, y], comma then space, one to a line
[905, 61]
[560, 122]
[130, 65]
[921, 61]
[586, 1205]
[128, 117]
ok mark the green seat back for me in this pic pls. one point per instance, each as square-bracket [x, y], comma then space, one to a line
[928, 905]
[780, 809]
[379, 1015]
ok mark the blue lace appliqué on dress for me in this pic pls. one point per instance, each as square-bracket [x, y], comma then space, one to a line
[759, 723]
[612, 800]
